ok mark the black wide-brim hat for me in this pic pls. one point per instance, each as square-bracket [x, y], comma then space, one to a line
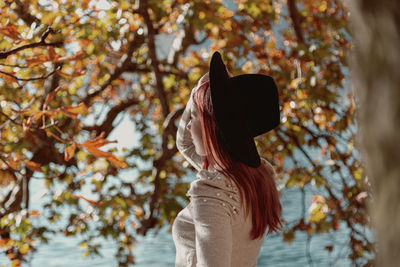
[245, 106]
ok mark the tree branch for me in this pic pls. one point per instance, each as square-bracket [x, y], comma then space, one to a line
[42, 42]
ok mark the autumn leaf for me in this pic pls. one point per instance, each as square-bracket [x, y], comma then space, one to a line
[288, 236]
[69, 151]
[5, 177]
[34, 166]
[52, 94]
[24, 112]
[98, 141]
[138, 212]
[329, 248]
[34, 214]
[37, 60]
[96, 203]
[52, 54]
[26, 124]
[73, 111]
[16, 263]
[11, 31]
[92, 147]
[117, 163]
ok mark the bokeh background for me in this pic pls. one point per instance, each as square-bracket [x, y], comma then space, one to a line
[92, 93]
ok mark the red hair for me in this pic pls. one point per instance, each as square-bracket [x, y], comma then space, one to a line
[256, 184]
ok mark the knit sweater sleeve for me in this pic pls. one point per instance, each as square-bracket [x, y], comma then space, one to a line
[213, 229]
[184, 141]
[215, 205]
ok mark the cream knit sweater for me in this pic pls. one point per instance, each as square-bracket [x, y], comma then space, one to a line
[211, 231]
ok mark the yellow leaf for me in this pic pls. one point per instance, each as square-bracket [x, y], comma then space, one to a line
[138, 211]
[357, 174]
[350, 145]
[15, 263]
[296, 128]
[323, 6]
[163, 174]
[48, 18]
[24, 249]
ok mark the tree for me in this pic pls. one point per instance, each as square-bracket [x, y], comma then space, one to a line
[60, 61]
[376, 80]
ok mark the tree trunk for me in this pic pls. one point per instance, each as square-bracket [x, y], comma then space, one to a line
[375, 62]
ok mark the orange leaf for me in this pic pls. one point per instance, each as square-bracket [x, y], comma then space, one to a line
[4, 241]
[51, 113]
[34, 166]
[24, 112]
[97, 203]
[122, 223]
[34, 214]
[52, 54]
[98, 141]
[69, 114]
[69, 152]
[97, 153]
[80, 108]
[73, 111]
[11, 31]
[117, 163]
[36, 60]
[92, 147]
[26, 124]
[38, 114]
[50, 96]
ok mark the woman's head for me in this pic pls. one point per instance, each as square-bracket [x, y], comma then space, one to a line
[256, 185]
[204, 128]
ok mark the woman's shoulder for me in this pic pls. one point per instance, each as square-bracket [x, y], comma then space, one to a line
[214, 179]
[215, 185]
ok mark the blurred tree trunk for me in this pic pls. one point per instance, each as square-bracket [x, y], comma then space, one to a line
[376, 79]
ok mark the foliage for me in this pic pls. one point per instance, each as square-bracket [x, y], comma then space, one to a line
[62, 61]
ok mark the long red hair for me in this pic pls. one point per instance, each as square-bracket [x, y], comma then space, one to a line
[256, 184]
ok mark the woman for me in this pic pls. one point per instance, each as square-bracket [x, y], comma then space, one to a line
[235, 197]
